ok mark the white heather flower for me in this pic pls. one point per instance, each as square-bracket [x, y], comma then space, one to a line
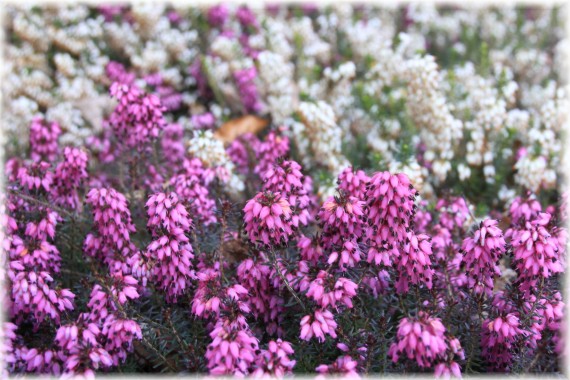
[428, 108]
[212, 153]
[506, 195]
[532, 173]
[278, 85]
[463, 171]
[324, 134]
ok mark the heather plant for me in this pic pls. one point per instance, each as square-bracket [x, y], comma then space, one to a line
[288, 189]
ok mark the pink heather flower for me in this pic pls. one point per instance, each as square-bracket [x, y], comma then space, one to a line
[35, 254]
[99, 304]
[7, 350]
[120, 334]
[264, 299]
[246, 46]
[342, 365]
[442, 243]
[310, 249]
[36, 176]
[269, 150]
[246, 17]
[113, 226]
[197, 72]
[481, 255]
[218, 15]
[317, 325]
[498, 336]
[233, 348]
[117, 73]
[68, 177]
[171, 142]
[137, 119]
[377, 284]
[245, 82]
[325, 294]
[174, 17]
[31, 294]
[43, 140]
[239, 155]
[353, 183]
[268, 219]
[44, 226]
[40, 361]
[191, 185]
[524, 209]
[423, 218]
[169, 97]
[446, 370]
[390, 200]
[81, 351]
[171, 251]
[242, 151]
[275, 360]
[454, 213]
[286, 178]
[546, 313]
[422, 339]
[301, 277]
[343, 222]
[154, 79]
[414, 264]
[207, 299]
[536, 251]
[203, 121]
[124, 288]
[166, 213]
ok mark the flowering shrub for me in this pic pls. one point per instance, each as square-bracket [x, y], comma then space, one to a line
[240, 191]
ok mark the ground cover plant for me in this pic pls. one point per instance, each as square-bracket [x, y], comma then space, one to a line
[290, 189]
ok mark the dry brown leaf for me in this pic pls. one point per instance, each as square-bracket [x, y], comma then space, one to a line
[232, 129]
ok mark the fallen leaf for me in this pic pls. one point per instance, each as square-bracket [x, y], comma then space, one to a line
[234, 128]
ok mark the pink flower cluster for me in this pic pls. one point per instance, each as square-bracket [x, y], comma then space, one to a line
[268, 219]
[264, 298]
[32, 294]
[43, 140]
[268, 151]
[499, 335]
[536, 251]
[36, 177]
[328, 292]
[191, 184]
[343, 225]
[111, 240]
[413, 265]
[353, 182]
[344, 365]
[390, 198]
[217, 15]
[317, 325]
[138, 118]
[275, 361]
[171, 250]
[424, 340]
[68, 177]
[481, 255]
[285, 177]
[245, 81]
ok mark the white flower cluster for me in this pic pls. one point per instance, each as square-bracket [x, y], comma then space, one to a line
[279, 88]
[427, 105]
[324, 135]
[211, 152]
